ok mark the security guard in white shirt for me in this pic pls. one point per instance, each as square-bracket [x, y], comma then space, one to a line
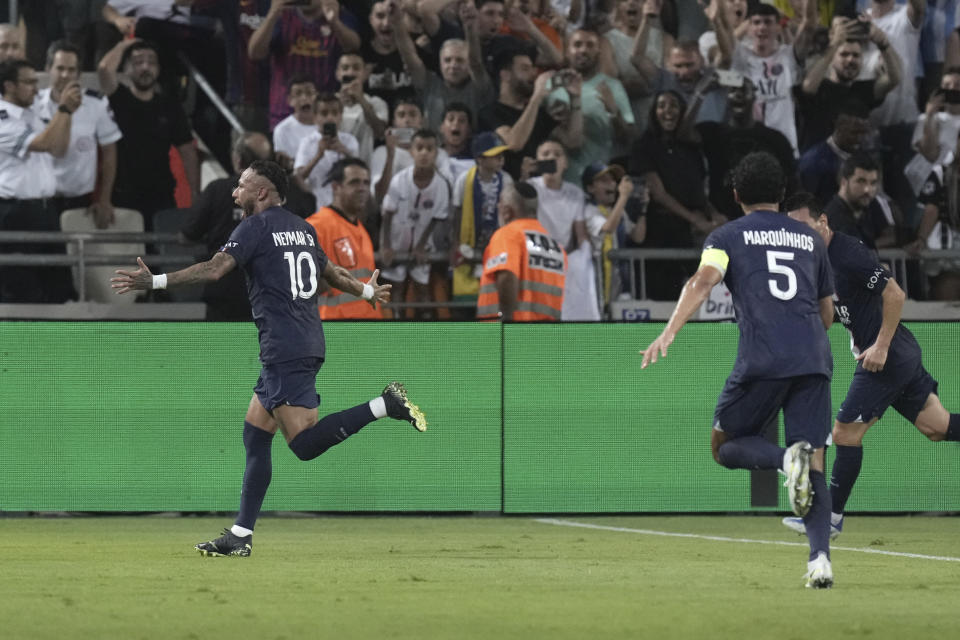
[27, 181]
[93, 125]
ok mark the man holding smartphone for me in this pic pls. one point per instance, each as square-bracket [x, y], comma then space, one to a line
[319, 151]
[834, 78]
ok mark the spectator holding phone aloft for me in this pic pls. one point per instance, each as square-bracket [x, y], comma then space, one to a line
[321, 149]
[364, 116]
[935, 136]
[835, 78]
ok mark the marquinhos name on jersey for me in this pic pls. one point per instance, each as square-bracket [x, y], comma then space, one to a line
[779, 238]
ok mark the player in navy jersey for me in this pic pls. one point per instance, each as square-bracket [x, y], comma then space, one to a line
[779, 277]
[889, 370]
[282, 261]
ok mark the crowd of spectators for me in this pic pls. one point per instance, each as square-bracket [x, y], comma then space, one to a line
[625, 116]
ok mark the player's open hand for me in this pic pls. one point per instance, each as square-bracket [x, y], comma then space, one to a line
[381, 292]
[139, 280]
[873, 358]
[657, 349]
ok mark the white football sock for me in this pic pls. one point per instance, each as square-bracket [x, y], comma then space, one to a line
[239, 531]
[379, 407]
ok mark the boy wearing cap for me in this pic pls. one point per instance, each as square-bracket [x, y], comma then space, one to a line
[476, 196]
[608, 197]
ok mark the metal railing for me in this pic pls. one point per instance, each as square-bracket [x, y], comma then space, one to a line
[896, 258]
[84, 255]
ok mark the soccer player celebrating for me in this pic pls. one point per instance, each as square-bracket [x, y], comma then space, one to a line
[281, 258]
[779, 276]
[890, 370]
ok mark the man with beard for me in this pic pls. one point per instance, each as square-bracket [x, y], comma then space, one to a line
[344, 239]
[462, 76]
[283, 264]
[517, 116]
[93, 130]
[726, 143]
[856, 209]
[833, 79]
[607, 114]
[151, 122]
[683, 69]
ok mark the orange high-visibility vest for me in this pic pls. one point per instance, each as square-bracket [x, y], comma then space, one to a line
[348, 245]
[524, 248]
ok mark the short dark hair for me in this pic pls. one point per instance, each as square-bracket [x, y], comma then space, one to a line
[480, 3]
[339, 169]
[62, 45]
[856, 161]
[139, 45]
[424, 134]
[503, 61]
[300, 78]
[951, 71]
[457, 107]
[10, 71]
[406, 98]
[328, 98]
[525, 198]
[804, 200]
[758, 178]
[274, 173]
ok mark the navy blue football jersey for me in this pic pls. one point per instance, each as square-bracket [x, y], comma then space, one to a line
[283, 263]
[860, 280]
[777, 271]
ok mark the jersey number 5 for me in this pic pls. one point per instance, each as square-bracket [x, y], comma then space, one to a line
[296, 274]
[773, 266]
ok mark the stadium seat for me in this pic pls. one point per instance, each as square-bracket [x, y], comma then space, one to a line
[171, 221]
[97, 279]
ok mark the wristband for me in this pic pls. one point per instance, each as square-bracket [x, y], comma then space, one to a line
[160, 281]
[367, 293]
[64, 109]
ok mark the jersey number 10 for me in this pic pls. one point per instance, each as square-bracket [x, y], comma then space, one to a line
[774, 259]
[296, 274]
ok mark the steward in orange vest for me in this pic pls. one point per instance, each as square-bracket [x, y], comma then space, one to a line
[345, 240]
[523, 267]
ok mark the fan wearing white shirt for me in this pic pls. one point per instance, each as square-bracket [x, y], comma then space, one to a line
[561, 209]
[416, 203]
[302, 98]
[364, 116]
[92, 128]
[391, 158]
[321, 149]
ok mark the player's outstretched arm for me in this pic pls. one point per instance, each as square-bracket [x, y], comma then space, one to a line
[143, 280]
[694, 293]
[339, 278]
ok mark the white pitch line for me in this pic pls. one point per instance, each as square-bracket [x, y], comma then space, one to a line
[668, 534]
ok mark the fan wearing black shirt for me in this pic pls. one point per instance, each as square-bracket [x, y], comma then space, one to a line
[832, 79]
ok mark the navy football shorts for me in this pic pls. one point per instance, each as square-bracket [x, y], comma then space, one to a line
[293, 383]
[906, 389]
[745, 408]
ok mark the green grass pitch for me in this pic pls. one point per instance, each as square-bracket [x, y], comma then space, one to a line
[471, 577]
